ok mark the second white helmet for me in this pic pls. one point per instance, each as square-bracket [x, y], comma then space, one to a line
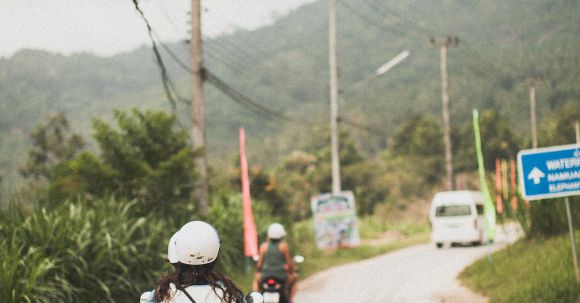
[276, 231]
[196, 243]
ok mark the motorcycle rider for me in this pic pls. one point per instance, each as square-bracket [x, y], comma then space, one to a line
[275, 261]
[193, 252]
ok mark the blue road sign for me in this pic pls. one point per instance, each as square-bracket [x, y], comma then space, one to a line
[550, 172]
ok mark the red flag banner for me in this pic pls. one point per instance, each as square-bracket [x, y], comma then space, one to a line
[498, 185]
[514, 184]
[250, 231]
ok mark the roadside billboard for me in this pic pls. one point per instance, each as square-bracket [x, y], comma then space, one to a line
[335, 222]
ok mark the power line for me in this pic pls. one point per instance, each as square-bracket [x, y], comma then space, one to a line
[224, 60]
[369, 20]
[243, 100]
[231, 50]
[361, 126]
[217, 49]
[227, 50]
[186, 68]
[159, 60]
[385, 9]
[235, 95]
[170, 87]
[234, 48]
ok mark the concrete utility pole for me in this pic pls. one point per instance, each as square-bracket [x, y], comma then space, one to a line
[577, 127]
[200, 190]
[532, 81]
[334, 133]
[443, 46]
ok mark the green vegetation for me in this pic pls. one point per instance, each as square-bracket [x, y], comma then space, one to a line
[80, 253]
[102, 250]
[538, 270]
[501, 44]
[103, 197]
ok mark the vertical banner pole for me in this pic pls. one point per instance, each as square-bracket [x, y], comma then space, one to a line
[250, 231]
[488, 207]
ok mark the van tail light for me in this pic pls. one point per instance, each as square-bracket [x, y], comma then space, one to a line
[475, 223]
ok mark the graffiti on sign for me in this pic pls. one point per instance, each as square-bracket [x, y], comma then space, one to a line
[335, 223]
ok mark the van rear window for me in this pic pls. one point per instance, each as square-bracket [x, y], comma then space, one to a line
[452, 211]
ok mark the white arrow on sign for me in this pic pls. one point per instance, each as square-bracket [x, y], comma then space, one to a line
[536, 175]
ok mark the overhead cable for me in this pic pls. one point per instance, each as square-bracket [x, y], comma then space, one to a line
[159, 59]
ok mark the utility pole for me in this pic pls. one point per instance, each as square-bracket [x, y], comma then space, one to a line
[443, 46]
[532, 81]
[577, 127]
[334, 133]
[200, 190]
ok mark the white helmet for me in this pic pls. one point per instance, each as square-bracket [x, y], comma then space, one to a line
[196, 243]
[276, 231]
[171, 253]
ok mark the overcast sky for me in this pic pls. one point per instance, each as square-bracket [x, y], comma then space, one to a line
[107, 27]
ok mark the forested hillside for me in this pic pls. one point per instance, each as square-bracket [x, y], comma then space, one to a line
[285, 68]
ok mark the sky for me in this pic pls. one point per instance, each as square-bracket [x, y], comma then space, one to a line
[108, 27]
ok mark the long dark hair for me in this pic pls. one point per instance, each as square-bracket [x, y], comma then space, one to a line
[186, 275]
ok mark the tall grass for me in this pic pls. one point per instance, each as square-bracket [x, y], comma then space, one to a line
[537, 270]
[100, 251]
[80, 253]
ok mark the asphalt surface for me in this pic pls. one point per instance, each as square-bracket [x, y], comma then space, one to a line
[417, 274]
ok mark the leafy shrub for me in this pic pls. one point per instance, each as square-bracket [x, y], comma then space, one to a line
[80, 253]
[100, 251]
[536, 270]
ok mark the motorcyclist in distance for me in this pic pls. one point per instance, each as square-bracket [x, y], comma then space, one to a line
[275, 261]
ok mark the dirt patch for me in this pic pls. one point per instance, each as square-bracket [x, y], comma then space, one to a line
[385, 238]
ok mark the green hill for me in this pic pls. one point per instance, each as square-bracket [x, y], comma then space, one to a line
[285, 67]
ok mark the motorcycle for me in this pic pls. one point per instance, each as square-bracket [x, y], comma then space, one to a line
[275, 290]
[252, 297]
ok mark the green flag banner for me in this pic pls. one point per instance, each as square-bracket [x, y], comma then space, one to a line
[488, 207]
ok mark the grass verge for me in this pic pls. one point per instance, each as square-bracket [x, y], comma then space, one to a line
[537, 270]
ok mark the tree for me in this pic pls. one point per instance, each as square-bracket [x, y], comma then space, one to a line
[146, 158]
[418, 145]
[548, 217]
[497, 139]
[420, 136]
[150, 157]
[560, 127]
[52, 143]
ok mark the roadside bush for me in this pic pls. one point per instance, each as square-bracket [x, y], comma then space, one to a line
[535, 270]
[548, 217]
[101, 251]
[80, 253]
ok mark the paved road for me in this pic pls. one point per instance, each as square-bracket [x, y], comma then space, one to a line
[416, 274]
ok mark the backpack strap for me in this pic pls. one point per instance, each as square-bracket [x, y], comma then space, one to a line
[187, 295]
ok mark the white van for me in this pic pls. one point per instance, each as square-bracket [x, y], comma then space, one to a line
[457, 217]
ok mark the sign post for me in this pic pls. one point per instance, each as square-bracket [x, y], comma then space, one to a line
[550, 173]
[335, 222]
